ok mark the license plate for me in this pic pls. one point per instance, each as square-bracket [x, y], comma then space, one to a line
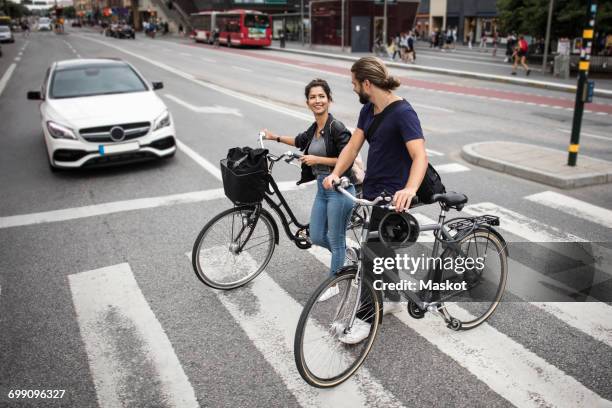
[118, 148]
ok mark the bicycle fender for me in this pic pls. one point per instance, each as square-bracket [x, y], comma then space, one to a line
[266, 213]
[499, 236]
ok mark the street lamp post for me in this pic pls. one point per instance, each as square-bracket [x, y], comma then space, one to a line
[302, 21]
[342, 24]
[384, 33]
[547, 39]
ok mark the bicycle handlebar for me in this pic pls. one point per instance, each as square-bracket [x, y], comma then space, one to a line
[344, 182]
[289, 156]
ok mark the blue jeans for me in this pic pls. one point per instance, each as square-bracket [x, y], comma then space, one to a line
[331, 212]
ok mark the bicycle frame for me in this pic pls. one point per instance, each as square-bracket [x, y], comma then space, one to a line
[442, 235]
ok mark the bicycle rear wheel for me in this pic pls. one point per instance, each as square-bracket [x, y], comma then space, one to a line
[322, 359]
[234, 247]
[484, 285]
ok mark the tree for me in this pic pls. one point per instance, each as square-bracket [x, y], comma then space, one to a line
[569, 17]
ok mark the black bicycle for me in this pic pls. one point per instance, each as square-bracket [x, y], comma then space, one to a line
[236, 245]
[325, 353]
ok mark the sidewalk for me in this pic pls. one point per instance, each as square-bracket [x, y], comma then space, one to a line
[540, 164]
[486, 67]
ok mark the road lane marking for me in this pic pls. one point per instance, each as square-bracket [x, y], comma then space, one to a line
[222, 110]
[451, 168]
[112, 314]
[430, 107]
[508, 368]
[208, 60]
[94, 210]
[588, 134]
[208, 166]
[109, 208]
[7, 75]
[242, 69]
[186, 54]
[291, 81]
[572, 206]
[528, 228]
[270, 323]
[592, 318]
[17, 59]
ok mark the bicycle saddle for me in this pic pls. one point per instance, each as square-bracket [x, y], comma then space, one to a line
[451, 199]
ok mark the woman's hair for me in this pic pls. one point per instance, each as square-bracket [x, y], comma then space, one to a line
[374, 70]
[318, 82]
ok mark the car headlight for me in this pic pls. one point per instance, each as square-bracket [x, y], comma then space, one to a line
[162, 121]
[60, 132]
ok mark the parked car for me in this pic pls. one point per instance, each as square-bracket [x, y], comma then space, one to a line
[76, 23]
[6, 35]
[124, 30]
[100, 112]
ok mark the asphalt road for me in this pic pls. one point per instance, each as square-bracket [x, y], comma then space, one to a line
[98, 298]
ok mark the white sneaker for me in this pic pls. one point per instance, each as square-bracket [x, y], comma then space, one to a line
[358, 333]
[329, 293]
[393, 307]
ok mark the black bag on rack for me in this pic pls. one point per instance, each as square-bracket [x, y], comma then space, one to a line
[245, 175]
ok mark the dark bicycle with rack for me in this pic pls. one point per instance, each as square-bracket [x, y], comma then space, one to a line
[325, 352]
[236, 245]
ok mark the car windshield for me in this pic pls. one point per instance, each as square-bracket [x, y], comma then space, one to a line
[256, 21]
[95, 80]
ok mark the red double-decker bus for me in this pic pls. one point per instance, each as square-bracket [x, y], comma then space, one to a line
[236, 27]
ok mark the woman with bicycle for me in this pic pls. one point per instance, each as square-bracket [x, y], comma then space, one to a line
[322, 143]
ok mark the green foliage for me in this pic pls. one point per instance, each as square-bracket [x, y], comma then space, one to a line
[569, 17]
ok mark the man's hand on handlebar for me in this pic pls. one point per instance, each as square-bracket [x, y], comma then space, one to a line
[330, 181]
[403, 198]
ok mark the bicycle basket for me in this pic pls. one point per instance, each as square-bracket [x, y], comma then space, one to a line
[244, 182]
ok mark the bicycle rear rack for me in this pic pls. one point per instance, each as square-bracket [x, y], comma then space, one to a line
[469, 222]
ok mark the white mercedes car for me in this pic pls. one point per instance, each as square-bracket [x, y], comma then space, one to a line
[102, 111]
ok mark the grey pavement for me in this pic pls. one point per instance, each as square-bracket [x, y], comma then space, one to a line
[537, 163]
[236, 348]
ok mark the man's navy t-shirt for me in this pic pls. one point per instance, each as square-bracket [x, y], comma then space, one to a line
[389, 163]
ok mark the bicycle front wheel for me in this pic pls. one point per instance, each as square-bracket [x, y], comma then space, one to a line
[323, 354]
[234, 247]
[484, 283]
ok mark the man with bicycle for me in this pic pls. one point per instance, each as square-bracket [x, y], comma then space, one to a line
[397, 160]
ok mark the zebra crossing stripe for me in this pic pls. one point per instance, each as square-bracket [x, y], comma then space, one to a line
[270, 324]
[572, 206]
[130, 356]
[592, 318]
[509, 369]
[451, 168]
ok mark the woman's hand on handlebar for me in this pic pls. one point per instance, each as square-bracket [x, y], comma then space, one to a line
[330, 181]
[403, 198]
[309, 159]
[268, 135]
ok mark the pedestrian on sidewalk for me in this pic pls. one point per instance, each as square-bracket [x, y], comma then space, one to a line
[469, 40]
[404, 46]
[396, 47]
[510, 44]
[180, 28]
[411, 52]
[494, 43]
[520, 55]
[432, 39]
[483, 41]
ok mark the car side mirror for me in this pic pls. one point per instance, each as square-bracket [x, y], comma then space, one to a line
[158, 85]
[34, 95]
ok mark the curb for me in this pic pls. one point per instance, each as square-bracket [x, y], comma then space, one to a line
[469, 154]
[602, 93]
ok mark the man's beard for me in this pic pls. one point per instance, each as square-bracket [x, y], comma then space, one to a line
[363, 97]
